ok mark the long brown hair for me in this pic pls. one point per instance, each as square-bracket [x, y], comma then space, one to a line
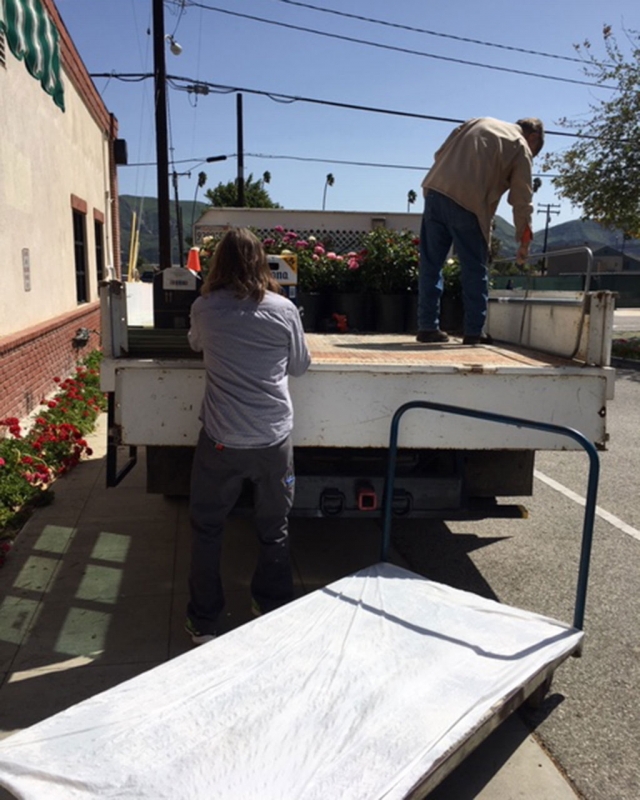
[240, 264]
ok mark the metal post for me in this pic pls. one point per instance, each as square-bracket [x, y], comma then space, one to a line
[178, 220]
[240, 152]
[162, 140]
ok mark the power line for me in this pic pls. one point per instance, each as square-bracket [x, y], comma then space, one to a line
[313, 159]
[203, 87]
[278, 97]
[337, 161]
[360, 163]
[394, 48]
[428, 32]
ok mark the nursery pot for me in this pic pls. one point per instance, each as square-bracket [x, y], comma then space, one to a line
[355, 306]
[391, 312]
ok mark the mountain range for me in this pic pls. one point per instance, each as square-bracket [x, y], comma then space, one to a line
[566, 235]
[559, 237]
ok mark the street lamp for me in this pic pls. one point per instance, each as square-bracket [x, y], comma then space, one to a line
[175, 48]
[202, 179]
[329, 181]
[174, 177]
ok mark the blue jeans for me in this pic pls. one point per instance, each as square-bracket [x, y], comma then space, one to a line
[444, 223]
[217, 478]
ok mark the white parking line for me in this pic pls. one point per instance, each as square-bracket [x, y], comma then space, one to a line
[605, 515]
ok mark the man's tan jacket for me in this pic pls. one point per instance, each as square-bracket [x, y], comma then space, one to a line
[476, 165]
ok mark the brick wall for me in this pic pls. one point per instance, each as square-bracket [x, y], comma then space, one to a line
[30, 359]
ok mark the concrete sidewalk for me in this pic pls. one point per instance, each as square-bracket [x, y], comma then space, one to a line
[94, 592]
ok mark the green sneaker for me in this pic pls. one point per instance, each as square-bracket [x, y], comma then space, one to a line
[196, 636]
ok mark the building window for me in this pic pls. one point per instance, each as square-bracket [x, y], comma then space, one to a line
[80, 255]
[98, 226]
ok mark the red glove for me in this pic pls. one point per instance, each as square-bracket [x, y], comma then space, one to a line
[523, 250]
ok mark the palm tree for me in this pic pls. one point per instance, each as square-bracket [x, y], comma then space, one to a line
[330, 180]
[411, 199]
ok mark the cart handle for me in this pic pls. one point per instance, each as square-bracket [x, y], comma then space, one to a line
[518, 422]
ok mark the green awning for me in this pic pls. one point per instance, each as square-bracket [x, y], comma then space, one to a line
[33, 37]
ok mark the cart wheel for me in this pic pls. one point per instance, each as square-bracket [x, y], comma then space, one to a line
[536, 698]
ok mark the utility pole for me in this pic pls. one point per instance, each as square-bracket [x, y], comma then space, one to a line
[240, 152]
[162, 139]
[547, 209]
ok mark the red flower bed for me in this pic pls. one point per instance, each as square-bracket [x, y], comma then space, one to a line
[30, 460]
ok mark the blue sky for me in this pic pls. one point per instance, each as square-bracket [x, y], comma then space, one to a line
[236, 52]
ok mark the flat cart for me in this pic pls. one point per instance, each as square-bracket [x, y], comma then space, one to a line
[375, 686]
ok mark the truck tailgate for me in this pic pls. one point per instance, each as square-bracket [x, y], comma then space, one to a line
[356, 382]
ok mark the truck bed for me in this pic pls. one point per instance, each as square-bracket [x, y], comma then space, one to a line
[550, 364]
[361, 349]
[366, 350]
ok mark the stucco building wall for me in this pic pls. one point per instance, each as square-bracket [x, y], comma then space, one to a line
[51, 162]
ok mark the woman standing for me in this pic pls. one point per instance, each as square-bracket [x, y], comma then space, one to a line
[251, 338]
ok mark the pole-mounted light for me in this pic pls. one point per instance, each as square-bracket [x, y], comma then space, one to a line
[175, 48]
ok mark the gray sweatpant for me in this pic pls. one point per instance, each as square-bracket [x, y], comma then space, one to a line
[216, 482]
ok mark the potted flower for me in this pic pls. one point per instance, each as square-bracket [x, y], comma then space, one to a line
[315, 272]
[389, 267]
[350, 295]
[451, 307]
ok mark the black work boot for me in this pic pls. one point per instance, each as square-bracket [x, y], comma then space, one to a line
[432, 336]
[477, 339]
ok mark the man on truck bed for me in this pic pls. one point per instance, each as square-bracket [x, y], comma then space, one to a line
[252, 340]
[475, 166]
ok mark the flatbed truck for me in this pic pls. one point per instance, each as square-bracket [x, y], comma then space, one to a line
[550, 362]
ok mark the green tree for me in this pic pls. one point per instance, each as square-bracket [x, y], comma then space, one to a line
[601, 173]
[255, 195]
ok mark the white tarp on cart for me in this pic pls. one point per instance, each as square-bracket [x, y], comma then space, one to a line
[357, 690]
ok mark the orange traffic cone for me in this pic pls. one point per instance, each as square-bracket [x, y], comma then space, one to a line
[193, 262]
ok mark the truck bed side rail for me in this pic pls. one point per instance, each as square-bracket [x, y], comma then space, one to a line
[553, 322]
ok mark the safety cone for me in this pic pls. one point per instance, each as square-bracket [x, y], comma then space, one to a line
[193, 262]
